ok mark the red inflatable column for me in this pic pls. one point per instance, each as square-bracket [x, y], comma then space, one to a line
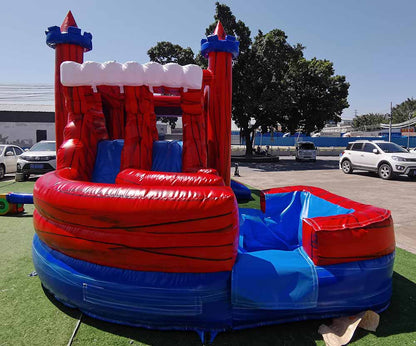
[220, 49]
[194, 155]
[139, 132]
[69, 45]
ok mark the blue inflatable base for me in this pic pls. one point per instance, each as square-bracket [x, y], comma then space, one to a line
[215, 302]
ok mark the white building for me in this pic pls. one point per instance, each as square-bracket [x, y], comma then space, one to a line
[26, 127]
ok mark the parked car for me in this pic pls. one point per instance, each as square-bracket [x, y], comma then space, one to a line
[8, 158]
[305, 151]
[385, 158]
[39, 159]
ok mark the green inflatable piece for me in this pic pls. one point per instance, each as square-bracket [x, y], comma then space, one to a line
[4, 206]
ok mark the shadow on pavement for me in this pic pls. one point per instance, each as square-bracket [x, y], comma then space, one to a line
[292, 165]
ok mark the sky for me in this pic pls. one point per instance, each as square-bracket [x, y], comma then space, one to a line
[371, 42]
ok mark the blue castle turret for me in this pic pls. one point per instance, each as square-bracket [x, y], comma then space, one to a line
[219, 43]
[54, 36]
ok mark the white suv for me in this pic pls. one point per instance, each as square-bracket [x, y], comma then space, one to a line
[385, 158]
[39, 159]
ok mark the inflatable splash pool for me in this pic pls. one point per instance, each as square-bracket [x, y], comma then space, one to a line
[142, 232]
[289, 264]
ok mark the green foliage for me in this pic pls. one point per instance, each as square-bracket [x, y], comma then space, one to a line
[370, 121]
[404, 111]
[232, 26]
[165, 52]
[400, 113]
[314, 94]
[260, 94]
[272, 82]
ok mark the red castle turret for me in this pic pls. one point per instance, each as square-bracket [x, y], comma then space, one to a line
[69, 45]
[220, 49]
[219, 31]
[68, 21]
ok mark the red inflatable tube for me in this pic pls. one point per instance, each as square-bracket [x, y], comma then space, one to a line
[131, 176]
[366, 233]
[171, 229]
[208, 171]
[140, 250]
[194, 155]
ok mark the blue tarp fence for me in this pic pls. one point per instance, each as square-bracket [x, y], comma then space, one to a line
[274, 140]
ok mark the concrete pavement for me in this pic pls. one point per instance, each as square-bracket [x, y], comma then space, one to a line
[398, 195]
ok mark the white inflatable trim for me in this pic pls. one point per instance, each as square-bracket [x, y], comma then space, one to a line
[131, 73]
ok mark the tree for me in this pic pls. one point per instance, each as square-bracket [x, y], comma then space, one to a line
[165, 52]
[259, 94]
[315, 94]
[255, 85]
[404, 111]
[272, 82]
[370, 121]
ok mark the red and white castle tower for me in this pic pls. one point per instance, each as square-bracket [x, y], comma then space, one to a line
[206, 117]
[220, 49]
[69, 45]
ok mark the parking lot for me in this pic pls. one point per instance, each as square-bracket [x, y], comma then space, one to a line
[397, 195]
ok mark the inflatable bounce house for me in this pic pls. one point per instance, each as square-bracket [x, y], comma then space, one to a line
[148, 233]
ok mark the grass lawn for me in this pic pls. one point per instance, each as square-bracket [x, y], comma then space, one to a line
[28, 316]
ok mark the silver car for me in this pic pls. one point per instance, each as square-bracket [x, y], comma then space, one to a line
[305, 151]
[39, 159]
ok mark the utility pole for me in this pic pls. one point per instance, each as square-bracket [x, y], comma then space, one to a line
[390, 120]
[408, 130]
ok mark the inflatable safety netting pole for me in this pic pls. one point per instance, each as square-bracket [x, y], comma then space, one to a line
[220, 50]
[69, 45]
